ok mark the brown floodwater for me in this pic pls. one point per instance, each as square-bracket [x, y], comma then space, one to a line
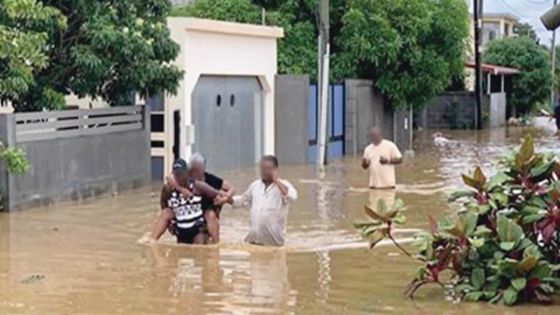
[82, 258]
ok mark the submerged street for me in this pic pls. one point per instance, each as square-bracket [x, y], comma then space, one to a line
[83, 258]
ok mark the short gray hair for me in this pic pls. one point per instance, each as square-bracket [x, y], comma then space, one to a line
[197, 157]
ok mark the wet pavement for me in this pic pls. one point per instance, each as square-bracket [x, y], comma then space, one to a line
[84, 259]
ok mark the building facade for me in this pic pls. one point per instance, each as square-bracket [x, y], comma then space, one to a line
[494, 26]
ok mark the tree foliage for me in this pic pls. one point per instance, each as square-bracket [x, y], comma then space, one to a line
[23, 44]
[526, 29]
[411, 49]
[108, 49]
[532, 85]
[296, 51]
[504, 244]
[241, 11]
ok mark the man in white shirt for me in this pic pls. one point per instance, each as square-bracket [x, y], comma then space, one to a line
[269, 199]
[380, 158]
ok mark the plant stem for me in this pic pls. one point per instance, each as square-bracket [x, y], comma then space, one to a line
[400, 247]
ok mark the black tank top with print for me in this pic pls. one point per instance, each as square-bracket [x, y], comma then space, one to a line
[189, 212]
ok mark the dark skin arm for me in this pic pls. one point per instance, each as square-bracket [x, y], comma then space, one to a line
[225, 193]
[163, 197]
[365, 163]
[205, 189]
[383, 160]
[200, 186]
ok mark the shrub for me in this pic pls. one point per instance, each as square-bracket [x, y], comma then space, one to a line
[503, 245]
[15, 163]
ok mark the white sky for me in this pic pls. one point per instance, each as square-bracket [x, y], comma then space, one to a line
[528, 11]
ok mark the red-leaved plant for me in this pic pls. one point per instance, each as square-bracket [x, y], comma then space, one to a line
[503, 245]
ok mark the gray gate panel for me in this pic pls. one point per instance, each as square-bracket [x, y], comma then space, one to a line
[223, 113]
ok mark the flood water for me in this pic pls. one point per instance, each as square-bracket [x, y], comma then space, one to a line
[84, 259]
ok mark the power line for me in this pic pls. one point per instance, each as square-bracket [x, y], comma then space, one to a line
[537, 2]
[507, 6]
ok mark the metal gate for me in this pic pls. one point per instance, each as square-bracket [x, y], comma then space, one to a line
[227, 115]
[335, 122]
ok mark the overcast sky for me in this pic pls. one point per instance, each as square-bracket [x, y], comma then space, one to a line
[526, 10]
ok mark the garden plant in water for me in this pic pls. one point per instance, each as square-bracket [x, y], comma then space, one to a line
[15, 163]
[504, 243]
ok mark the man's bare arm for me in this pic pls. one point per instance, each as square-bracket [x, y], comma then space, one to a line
[206, 189]
[227, 188]
[365, 163]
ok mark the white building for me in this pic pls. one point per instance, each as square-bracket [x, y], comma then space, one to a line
[224, 106]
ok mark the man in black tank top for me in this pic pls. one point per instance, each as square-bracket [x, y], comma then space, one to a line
[197, 169]
[182, 202]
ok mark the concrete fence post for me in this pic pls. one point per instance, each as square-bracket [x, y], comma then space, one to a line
[146, 123]
[8, 138]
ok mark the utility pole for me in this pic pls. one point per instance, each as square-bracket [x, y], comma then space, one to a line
[323, 82]
[477, 23]
[553, 64]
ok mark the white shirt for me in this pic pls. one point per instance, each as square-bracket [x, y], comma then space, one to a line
[269, 211]
[382, 175]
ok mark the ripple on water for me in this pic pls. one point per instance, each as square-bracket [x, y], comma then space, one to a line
[92, 264]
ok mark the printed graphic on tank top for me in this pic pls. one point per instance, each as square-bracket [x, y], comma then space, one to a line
[188, 211]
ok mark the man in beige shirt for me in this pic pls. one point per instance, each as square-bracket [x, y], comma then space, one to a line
[380, 157]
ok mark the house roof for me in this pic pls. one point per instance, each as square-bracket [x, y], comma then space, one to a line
[230, 28]
[494, 69]
[496, 16]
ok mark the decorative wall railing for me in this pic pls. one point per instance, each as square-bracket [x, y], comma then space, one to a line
[73, 123]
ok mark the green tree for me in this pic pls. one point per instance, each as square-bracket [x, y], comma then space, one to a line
[241, 11]
[296, 51]
[525, 29]
[532, 85]
[23, 44]
[411, 49]
[109, 49]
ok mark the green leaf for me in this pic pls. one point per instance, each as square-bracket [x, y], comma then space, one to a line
[477, 278]
[498, 179]
[469, 220]
[519, 284]
[458, 194]
[526, 151]
[508, 267]
[464, 288]
[399, 204]
[541, 271]
[477, 242]
[482, 230]
[501, 198]
[532, 218]
[510, 296]
[399, 219]
[507, 246]
[554, 281]
[473, 296]
[508, 230]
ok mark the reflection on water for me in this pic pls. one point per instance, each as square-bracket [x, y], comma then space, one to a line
[83, 258]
